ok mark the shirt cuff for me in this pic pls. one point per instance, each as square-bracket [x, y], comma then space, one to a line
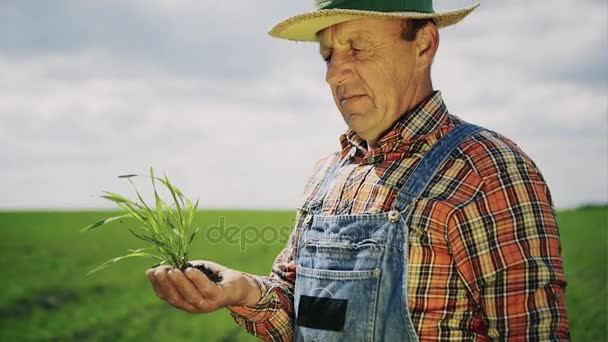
[260, 311]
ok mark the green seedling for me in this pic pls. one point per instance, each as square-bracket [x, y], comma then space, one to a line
[167, 228]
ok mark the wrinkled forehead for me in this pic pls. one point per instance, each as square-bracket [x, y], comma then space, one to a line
[343, 32]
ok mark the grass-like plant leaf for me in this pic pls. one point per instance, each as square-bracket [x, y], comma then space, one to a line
[104, 221]
[132, 254]
[166, 227]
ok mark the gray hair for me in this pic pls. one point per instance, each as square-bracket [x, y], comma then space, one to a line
[412, 26]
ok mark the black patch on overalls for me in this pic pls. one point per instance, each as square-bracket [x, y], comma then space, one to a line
[322, 313]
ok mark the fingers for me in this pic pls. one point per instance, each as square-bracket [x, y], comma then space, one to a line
[186, 289]
[166, 290]
[202, 283]
[191, 291]
[156, 285]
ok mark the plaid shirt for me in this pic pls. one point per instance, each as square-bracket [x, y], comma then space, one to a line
[485, 255]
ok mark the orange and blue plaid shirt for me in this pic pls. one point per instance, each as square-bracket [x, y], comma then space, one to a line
[485, 255]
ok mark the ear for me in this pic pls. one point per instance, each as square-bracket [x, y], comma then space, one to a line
[427, 43]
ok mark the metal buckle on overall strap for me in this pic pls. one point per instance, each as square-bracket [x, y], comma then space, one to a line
[394, 215]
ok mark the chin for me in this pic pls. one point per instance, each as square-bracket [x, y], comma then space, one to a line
[355, 119]
[356, 122]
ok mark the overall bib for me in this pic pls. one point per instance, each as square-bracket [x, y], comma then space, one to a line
[351, 272]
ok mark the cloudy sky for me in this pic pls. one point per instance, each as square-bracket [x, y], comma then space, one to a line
[90, 90]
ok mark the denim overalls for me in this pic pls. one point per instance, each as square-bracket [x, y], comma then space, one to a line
[351, 272]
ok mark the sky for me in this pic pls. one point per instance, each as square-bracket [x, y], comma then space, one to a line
[90, 90]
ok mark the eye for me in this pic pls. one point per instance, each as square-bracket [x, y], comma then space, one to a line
[356, 51]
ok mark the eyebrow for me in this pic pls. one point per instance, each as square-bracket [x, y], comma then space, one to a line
[350, 37]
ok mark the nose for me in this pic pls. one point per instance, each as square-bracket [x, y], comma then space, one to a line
[338, 69]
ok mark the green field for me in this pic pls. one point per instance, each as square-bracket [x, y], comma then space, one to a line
[46, 295]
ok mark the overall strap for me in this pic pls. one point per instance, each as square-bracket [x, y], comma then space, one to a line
[418, 180]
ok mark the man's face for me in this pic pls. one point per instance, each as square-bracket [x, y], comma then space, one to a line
[371, 72]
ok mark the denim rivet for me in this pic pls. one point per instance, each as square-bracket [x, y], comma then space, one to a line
[393, 216]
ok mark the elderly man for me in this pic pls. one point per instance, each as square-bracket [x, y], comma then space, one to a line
[422, 226]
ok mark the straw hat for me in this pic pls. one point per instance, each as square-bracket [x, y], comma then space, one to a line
[304, 27]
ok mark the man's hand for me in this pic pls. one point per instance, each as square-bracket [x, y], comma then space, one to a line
[193, 292]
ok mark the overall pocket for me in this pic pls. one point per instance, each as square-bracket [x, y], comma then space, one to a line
[335, 305]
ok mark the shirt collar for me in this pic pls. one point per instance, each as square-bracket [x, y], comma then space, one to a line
[412, 125]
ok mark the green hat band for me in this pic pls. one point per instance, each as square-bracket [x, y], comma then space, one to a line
[424, 6]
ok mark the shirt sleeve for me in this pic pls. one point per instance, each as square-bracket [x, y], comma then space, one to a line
[506, 246]
[271, 318]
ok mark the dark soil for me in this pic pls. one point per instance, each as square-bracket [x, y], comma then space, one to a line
[214, 277]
